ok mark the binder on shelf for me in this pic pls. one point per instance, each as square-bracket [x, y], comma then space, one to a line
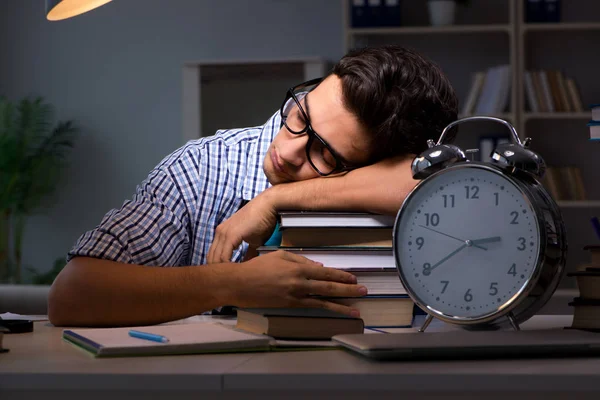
[359, 16]
[375, 13]
[534, 11]
[552, 10]
[542, 11]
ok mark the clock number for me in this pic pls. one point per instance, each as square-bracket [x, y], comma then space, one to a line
[448, 199]
[515, 215]
[468, 296]
[472, 192]
[513, 270]
[420, 242]
[445, 283]
[426, 269]
[522, 246]
[493, 288]
[497, 196]
[433, 219]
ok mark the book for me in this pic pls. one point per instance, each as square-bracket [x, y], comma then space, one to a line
[296, 219]
[380, 282]
[546, 92]
[381, 311]
[594, 130]
[297, 323]
[530, 92]
[539, 91]
[476, 84]
[588, 282]
[586, 313]
[183, 339]
[595, 112]
[594, 255]
[326, 237]
[574, 95]
[345, 258]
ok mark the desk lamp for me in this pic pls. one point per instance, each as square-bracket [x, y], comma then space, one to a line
[63, 9]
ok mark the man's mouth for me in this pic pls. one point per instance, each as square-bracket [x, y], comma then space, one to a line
[277, 164]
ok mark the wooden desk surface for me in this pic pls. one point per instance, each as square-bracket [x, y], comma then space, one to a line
[43, 361]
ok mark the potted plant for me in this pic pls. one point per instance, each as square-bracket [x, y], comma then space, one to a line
[32, 156]
[442, 12]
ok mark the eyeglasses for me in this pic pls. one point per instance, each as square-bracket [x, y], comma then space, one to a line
[319, 153]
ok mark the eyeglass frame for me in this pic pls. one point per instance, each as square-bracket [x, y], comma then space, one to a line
[341, 165]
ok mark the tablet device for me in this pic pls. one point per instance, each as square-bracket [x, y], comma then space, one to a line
[473, 344]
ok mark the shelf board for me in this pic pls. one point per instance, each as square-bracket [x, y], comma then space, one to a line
[416, 30]
[558, 115]
[579, 203]
[561, 26]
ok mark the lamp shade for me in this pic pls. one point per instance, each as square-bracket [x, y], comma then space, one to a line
[62, 9]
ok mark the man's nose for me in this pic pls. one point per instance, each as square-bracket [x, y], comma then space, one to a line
[293, 150]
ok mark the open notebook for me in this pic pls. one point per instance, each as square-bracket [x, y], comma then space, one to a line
[183, 339]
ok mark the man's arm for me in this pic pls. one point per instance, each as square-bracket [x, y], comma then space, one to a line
[379, 188]
[95, 292]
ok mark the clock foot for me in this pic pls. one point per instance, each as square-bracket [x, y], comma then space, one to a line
[513, 321]
[426, 323]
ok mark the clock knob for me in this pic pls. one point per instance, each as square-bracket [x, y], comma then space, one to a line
[436, 158]
[516, 156]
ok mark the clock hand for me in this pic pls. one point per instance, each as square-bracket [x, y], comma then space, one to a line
[466, 242]
[455, 252]
[486, 240]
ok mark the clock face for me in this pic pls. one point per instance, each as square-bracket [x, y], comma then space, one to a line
[467, 241]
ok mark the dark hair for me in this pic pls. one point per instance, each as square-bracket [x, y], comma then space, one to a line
[400, 97]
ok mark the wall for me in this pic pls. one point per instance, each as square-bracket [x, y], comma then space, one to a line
[116, 71]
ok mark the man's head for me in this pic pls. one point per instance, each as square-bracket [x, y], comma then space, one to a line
[378, 102]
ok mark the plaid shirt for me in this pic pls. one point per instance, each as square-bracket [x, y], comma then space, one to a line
[172, 217]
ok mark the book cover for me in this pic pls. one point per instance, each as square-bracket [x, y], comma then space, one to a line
[297, 323]
[595, 112]
[328, 237]
[381, 311]
[290, 219]
[346, 258]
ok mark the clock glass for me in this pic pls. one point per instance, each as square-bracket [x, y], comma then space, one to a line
[467, 241]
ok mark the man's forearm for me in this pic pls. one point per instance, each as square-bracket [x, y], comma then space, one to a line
[380, 188]
[93, 292]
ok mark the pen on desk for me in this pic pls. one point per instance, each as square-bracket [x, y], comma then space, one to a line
[148, 336]
[596, 225]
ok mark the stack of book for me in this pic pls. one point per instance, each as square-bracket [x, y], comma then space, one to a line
[359, 243]
[594, 124]
[586, 306]
[551, 91]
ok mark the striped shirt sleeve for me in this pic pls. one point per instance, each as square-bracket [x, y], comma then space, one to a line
[153, 228]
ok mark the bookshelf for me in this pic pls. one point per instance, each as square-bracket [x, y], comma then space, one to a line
[494, 32]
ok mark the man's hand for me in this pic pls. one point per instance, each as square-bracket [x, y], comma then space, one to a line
[253, 223]
[283, 279]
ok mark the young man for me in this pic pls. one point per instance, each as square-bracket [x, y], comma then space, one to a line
[200, 209]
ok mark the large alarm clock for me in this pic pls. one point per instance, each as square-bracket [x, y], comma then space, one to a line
[479, 244]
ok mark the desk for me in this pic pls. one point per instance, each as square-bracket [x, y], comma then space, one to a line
[41, 362]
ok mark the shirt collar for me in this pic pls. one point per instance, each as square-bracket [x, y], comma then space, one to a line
[256, 181]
